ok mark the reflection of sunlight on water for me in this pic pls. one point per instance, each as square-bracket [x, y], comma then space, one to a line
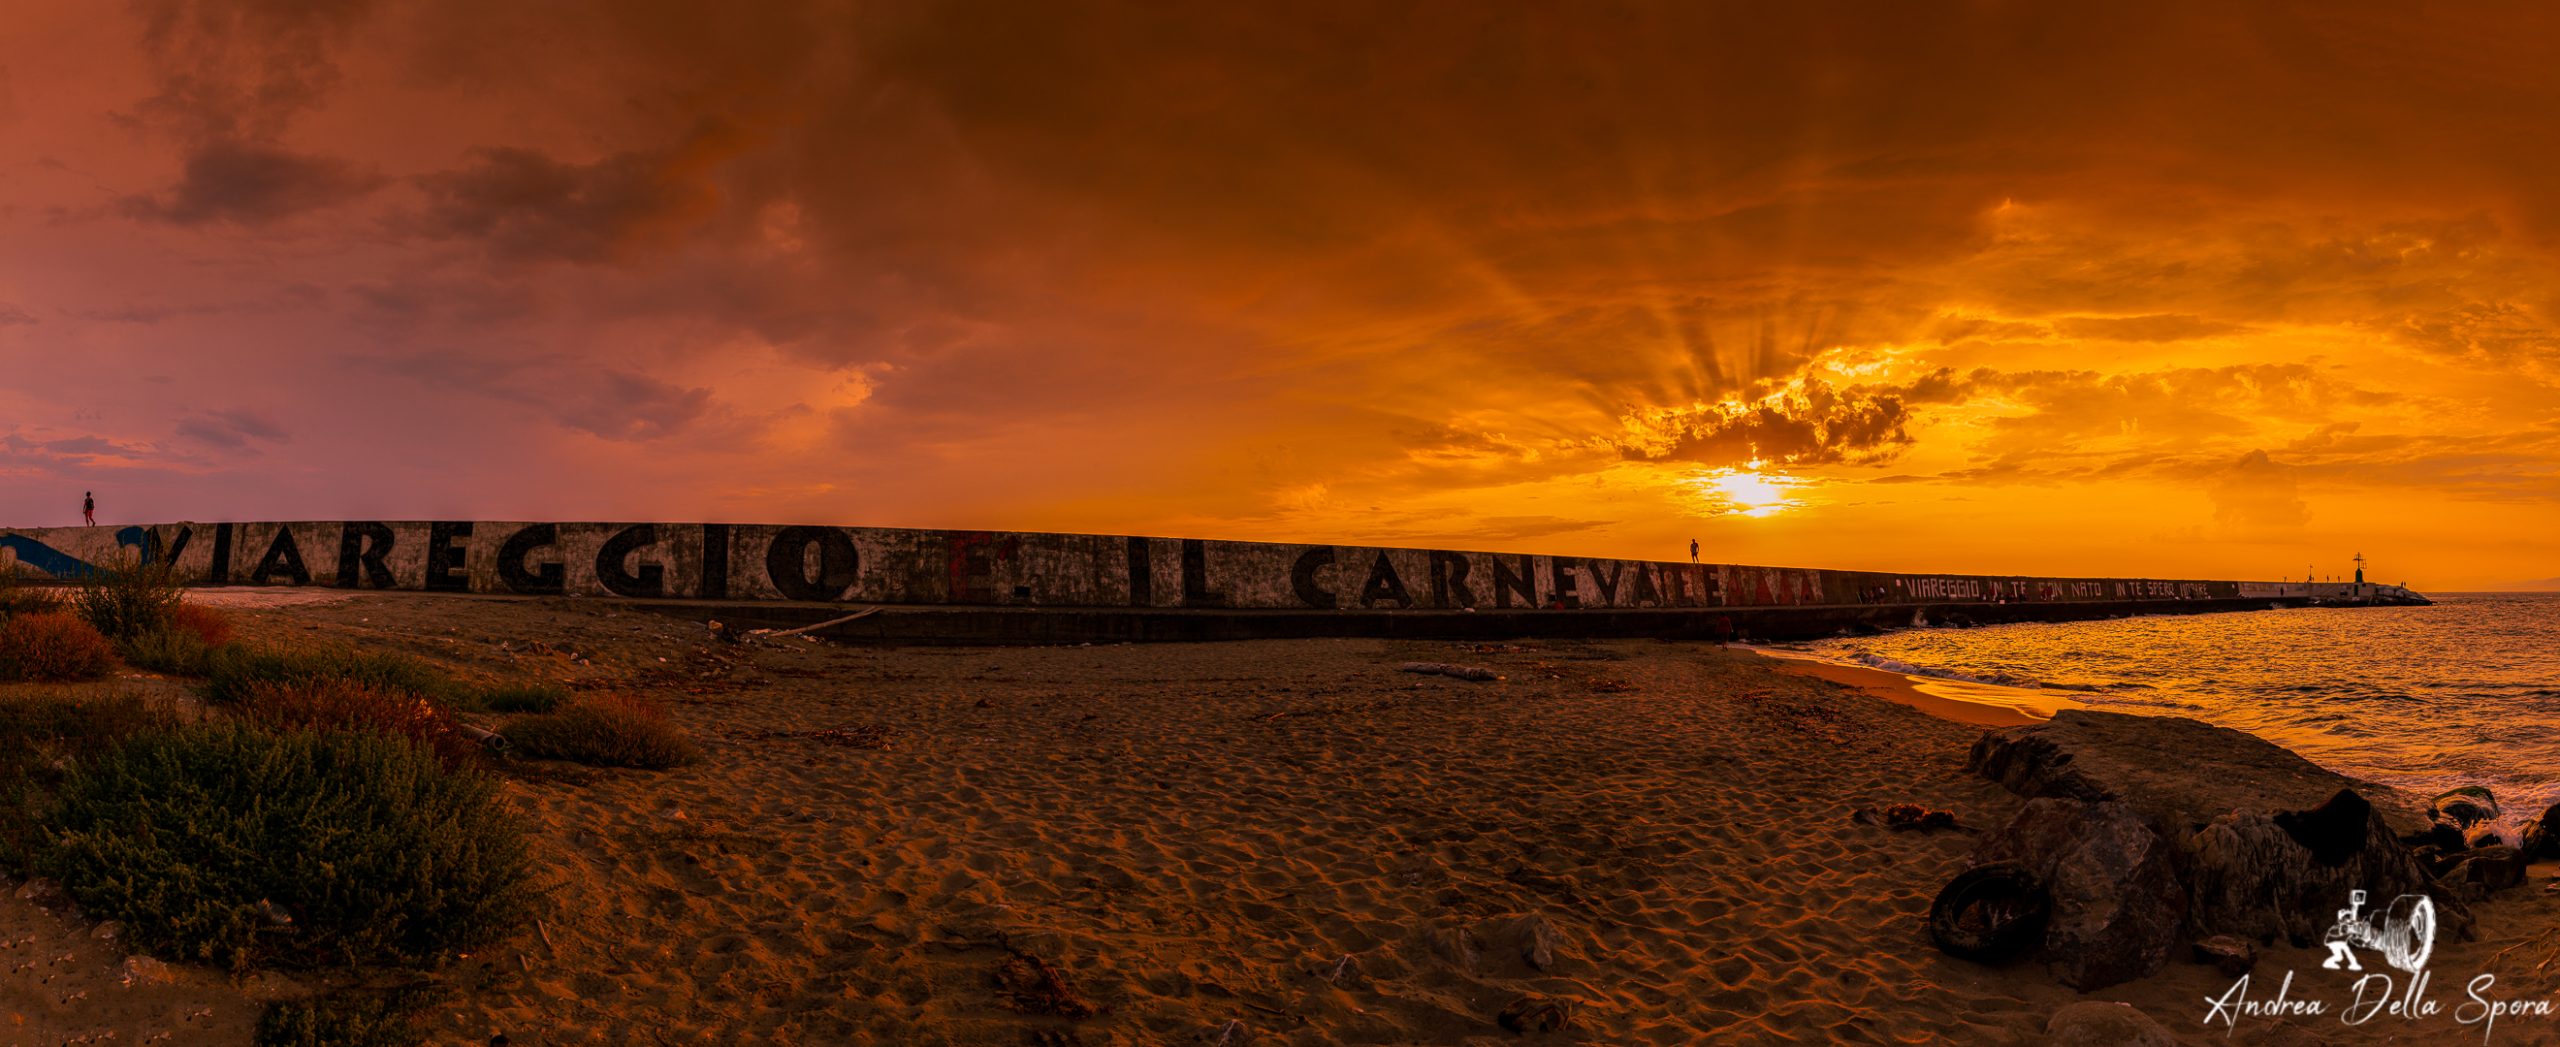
[1747, 491]
[2423, 698]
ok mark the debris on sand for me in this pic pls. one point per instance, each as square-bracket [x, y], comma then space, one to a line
[850, 736]
[1907, 817]
[1030, 985]
[1533, 1013]
[1462, 672]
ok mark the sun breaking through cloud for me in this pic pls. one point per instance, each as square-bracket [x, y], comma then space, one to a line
[2176, 290]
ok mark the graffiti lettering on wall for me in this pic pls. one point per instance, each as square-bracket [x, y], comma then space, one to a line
[890, 565]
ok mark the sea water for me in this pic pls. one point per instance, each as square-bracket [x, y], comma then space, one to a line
[2466, 692]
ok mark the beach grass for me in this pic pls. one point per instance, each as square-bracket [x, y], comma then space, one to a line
[350, 1017]
[239, 846]
[44, 732]
[603, 731]
[127, 600]
[536, 696]
[338, 704]
[234, 671]
[171, 651]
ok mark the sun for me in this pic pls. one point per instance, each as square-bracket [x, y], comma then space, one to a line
[1747, 491]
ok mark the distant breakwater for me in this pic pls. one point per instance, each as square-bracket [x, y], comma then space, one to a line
[1034, 570]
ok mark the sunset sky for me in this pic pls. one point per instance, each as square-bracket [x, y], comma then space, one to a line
[2187, 291]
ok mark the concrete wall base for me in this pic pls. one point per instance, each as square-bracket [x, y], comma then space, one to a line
[1069, 625]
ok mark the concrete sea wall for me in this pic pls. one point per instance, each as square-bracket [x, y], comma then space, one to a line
[1009, 569]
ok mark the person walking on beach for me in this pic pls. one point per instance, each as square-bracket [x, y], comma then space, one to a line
[89, 509]
[1693, 550]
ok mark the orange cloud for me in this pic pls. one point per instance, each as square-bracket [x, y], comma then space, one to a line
[1987, 281]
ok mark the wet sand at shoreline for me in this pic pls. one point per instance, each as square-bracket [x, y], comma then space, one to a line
[1263, 842]
[1979, 706]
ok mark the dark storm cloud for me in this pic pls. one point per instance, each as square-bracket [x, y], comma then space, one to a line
[528, 206]
[233, 428]
[611, 402]
[626, 406]
[229, 181]
[85, 445]
[232, 76]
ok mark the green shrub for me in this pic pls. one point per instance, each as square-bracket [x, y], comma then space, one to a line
[540, 696]
[347, 1018]
[603, 732]
[17, 597]
[234, 669]
[52, 645]
[199, 838]
[79, 725]
[127, 600]
[346, 705]
[44, 734]
[176, 652]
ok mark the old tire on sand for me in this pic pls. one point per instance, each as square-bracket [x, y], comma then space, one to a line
[1990, 914]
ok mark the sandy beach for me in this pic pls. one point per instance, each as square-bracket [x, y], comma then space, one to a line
[1266, 842]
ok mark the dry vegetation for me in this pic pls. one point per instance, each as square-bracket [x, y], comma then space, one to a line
[52, 646]
[308, 806]
[604, 731]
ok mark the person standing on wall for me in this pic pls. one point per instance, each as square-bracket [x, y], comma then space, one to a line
[89, 508]
[1693, 550]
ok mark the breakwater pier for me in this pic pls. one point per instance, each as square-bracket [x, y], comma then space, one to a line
[1038, 587]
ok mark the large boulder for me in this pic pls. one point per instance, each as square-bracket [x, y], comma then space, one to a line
[2264, 844]
[2172, 769]
[2540, 838]
[2490, 869]
[2464, 807]
[2253, 874]
[2117, 908]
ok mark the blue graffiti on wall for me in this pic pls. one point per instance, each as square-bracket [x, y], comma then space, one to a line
[60, 564]
[44, 557]
[137, 538]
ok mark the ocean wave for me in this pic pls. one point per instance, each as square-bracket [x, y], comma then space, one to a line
[1907, 669]
[2102, 698]
[2467, 693]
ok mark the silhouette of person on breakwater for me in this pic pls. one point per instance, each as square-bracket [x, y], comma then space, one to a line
[89, 507]
[1693, 550]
